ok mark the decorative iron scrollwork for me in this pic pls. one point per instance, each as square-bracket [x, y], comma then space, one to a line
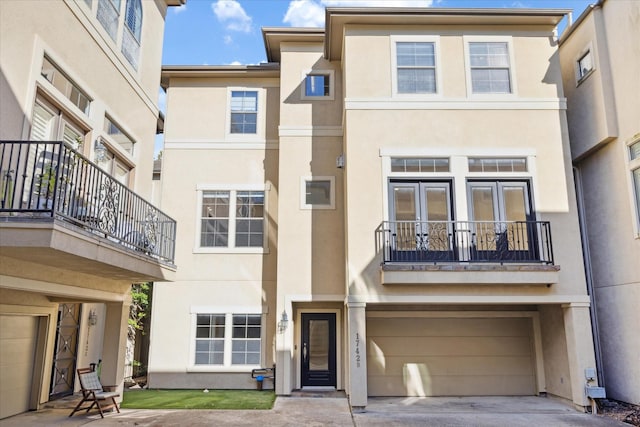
[109, 202]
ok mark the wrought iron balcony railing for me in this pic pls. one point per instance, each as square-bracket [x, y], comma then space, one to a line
[465, 241]
[50, 179]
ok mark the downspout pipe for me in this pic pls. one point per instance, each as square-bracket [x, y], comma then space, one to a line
[586, 256]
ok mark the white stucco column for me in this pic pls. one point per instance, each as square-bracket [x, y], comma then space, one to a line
[114, 344]
[577, 327]
[357, 348]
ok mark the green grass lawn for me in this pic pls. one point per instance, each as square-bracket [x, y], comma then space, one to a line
[197, 399]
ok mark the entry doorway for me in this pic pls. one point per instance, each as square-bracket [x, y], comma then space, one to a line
[66, 351]
[318, 350]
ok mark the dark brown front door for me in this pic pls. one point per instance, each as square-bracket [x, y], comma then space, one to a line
[318, 349]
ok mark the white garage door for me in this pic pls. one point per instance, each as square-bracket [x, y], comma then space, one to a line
[17, 349]
[449, 356]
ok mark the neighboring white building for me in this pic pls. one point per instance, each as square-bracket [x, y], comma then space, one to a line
[387, 207]
[79, 84]
[600, 61]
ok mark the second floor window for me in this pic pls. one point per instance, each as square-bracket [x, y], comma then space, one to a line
[244, 112]
[490, 67]
[232, 219]
[416, 67]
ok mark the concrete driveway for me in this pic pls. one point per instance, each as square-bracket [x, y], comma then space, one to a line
[334, 411]
[476, 411]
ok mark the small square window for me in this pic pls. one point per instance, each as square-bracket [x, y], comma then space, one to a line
[318, 193]
[585, 65]
[318, 84]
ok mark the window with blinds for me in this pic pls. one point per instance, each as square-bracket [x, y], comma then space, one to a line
[132, 32]
[108, 15]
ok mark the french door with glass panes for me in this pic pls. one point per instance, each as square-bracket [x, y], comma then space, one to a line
[421, 221]
[48, 124]
[501, 217]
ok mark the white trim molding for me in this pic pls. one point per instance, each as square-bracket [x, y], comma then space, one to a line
[310, 131]
[499, 103]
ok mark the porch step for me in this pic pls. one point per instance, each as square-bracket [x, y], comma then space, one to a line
[318, 392]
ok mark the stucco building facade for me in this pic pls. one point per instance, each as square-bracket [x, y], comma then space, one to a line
[78, 117]
[386, 207]
[600, 70]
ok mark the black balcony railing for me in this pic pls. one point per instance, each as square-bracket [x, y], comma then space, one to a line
[50, 179]
[465, 241]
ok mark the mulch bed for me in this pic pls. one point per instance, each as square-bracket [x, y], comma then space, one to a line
[619, 411]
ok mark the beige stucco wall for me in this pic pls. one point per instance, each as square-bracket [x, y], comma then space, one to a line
[200, 154]
[604, 109]
[366, 45]
[71, 36]
[40, 269]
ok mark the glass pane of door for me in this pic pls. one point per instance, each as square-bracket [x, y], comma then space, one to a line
[437, 213]
[318, 349]
[405, 213]
[318, 345]
[515, 212]
[484, 205]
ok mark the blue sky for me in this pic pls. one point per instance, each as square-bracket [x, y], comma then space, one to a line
[222, 32]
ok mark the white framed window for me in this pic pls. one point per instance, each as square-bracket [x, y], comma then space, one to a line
[227, 340]
[132, 32]
[244, 112]
[317, 192]
[415, 69]
[318, 85]
[108, 15]
[497, 164]
[245, 116]
[113, 163]
[117, 135]
[490, 65]
[65, 85]
[634, 167]
[231, 220]
[49, 123]
[419, 164]
[584, 63]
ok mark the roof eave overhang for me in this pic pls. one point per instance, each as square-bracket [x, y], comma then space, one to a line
[337, 18]
[274, 36]
[208, 71]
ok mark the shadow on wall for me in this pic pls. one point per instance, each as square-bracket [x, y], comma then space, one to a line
[12, 116]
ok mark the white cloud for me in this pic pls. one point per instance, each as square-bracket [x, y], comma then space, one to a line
[235, 63]
[304, 13]
[233, 15]
[180, 8]
[310, 13]
[228, 39]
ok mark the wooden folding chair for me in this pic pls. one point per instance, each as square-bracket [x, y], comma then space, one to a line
[93, 392]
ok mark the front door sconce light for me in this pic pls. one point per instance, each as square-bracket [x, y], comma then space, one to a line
[100, 151]
[284, 322]
[93, 318]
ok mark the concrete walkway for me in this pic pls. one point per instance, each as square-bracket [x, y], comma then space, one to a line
[334, 411]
